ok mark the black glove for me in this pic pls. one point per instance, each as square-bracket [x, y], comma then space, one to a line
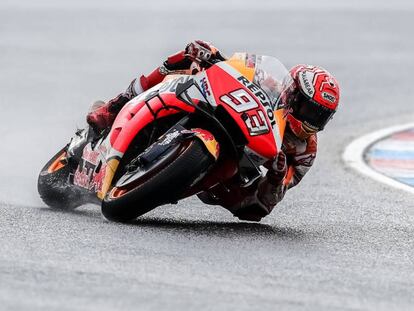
[203, 53]
[277, 169]
[199, 50]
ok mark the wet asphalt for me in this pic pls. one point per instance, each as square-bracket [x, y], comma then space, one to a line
[338, 241]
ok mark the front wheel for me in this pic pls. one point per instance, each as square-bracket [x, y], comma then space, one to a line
[163, 182]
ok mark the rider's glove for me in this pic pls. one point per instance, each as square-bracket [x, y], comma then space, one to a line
[203, 52]
[199, 50]
[271, 189]
[277, 169]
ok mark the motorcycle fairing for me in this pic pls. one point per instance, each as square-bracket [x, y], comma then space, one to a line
[90, 156]
[204, 85]
[218, 84]
[144, 109]
[135, 115]
[250, 65]
[91, 169]
[246, 106]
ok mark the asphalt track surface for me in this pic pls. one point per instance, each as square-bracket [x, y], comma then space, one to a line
[339, 241]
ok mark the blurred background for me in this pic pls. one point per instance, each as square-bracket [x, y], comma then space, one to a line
[337, 241]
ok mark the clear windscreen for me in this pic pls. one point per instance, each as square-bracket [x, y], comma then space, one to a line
[272, 76]
[269, 74]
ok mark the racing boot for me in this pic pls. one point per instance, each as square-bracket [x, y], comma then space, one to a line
[102, 115]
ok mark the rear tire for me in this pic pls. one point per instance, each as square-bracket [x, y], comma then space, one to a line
[161, 186]
[54, 187]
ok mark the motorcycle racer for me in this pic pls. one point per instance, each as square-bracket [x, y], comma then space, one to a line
[310, 102]
[188, 61]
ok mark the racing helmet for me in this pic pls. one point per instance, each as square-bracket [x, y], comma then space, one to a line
[311, 100]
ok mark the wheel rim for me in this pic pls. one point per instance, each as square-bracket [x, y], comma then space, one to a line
[58, 163]
[117, 192]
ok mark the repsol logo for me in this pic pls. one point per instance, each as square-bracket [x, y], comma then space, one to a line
[263, 98]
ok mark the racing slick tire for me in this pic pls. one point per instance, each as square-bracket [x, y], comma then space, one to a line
[53, 184]
[181, 167]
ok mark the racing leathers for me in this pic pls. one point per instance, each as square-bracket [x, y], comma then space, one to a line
[251, 203]
[284, 172]
[196, 56]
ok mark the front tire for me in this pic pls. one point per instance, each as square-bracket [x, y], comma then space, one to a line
[159, 186]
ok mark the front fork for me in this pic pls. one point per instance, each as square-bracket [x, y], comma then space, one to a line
[178, 133]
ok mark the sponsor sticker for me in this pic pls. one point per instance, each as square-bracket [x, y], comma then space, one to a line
[305, 79]
[329, 97]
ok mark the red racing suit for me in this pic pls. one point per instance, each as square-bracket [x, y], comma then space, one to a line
[258, 200]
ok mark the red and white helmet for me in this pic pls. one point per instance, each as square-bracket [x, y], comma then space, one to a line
[312, 99]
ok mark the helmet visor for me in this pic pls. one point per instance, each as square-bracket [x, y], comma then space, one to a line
[312, 114]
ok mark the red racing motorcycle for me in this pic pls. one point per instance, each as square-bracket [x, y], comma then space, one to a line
[182, 137]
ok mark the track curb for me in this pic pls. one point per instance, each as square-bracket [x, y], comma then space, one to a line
[353, 156]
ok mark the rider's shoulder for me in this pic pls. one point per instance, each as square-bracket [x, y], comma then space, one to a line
[312, 143]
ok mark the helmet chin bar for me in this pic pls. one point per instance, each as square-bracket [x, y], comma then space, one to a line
[298, 128]
[304, 134]
[309, 129]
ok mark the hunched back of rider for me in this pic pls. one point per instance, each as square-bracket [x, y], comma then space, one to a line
[311, 101]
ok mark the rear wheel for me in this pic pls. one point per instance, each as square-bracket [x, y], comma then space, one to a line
[53, 184]
[163, 182]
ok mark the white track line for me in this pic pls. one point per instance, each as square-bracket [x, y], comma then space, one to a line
[353, 155]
